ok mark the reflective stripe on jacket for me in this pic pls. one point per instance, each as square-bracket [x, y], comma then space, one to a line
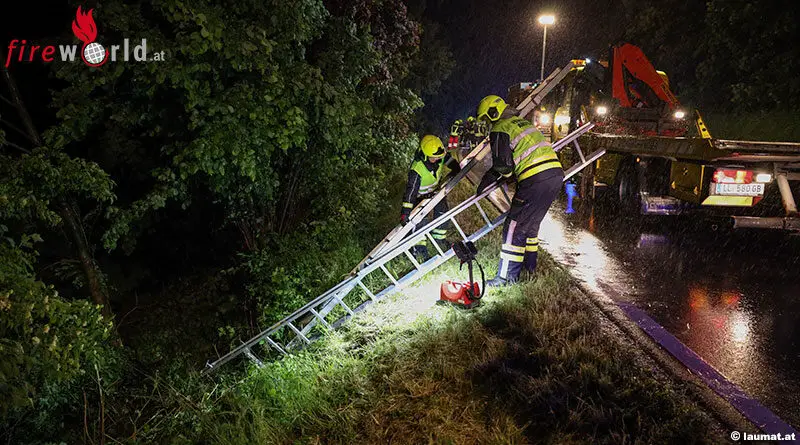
[530, 151]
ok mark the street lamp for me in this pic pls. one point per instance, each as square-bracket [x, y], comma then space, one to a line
[545, 20]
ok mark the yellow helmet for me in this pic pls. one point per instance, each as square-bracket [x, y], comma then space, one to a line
[432, 146]
[491, 107]
[471, 119]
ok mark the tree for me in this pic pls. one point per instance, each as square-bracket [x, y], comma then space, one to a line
[45, 341]
[46, 185]
[751, 55]
[289, 118]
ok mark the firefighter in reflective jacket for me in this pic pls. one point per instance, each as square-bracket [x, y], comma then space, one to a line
[426, 173]
[519, 149]
[455, 132]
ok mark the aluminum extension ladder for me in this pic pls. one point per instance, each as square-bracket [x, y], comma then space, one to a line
[308, 323]
[543, 89]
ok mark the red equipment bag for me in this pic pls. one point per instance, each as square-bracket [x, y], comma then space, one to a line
[459, 293]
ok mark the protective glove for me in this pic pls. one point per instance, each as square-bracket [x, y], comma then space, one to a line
[489, 178]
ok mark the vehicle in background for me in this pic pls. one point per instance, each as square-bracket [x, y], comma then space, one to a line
[660, 159]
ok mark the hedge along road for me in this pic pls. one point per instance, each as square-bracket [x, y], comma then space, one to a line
[733, 297]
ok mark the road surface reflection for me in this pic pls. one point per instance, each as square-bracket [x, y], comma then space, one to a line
[733, 297]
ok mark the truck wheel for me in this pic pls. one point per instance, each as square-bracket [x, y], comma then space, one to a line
[628, 190]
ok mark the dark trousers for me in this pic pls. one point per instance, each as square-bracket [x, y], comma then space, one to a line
[440, 233]
[521, 229]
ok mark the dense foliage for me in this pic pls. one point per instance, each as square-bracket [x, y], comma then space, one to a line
[47, 343]
[270, 134]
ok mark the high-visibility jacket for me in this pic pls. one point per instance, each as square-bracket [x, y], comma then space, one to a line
[424, 178]
[518, 147]
[429, 179]
[457, 128]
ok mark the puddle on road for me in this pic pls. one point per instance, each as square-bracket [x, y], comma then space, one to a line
[734, 298]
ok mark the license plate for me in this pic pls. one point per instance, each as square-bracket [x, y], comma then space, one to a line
[739, 189]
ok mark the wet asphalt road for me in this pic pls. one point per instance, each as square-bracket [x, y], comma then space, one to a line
[731, 296]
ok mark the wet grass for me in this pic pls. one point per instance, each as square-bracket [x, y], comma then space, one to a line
[532, 365]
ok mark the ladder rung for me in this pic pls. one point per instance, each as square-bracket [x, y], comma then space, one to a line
[321, 319]
[253, 358]
[455, 223]
[368, 292]
[580, 152]
[572, 171]
[298, 333]
[435, 244]
[275, 345]
[388, 274]
[411, 257]
[482, 212]
[346, 307]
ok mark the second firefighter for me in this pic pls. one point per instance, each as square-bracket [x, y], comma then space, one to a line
[430, 166]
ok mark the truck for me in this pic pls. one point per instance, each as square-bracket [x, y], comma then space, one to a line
[661, 159]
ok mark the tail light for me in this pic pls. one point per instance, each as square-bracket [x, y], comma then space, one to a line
[725, 176]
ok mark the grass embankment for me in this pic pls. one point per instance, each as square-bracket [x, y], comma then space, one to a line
[534, 364]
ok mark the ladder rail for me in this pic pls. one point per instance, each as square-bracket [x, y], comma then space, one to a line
[545, 88]
[426, 206]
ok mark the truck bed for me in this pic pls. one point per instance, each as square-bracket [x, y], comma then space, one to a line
[699, 149]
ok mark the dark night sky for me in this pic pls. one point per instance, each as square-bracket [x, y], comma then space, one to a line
[499, 43]
[495, 44]
[41, 22]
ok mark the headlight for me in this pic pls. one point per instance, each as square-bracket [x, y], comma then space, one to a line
[764, 177]
[679, 114]
[544, 119]
[601, 110]
[561, 119]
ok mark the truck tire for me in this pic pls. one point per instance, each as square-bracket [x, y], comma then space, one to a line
[628, 189]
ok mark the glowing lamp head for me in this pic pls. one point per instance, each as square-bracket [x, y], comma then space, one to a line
[544, 119]
[601, 110]
[679, 114]
[547, 19]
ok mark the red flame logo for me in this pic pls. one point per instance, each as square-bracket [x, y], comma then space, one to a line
[83, 26]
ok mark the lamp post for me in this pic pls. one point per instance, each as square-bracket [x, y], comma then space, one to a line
[545, 20]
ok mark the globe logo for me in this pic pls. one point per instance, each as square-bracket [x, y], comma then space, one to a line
[85, 29]
[94, 53]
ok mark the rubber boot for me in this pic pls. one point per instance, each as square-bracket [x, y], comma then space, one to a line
[498, 281]
[509, 268]
[531, 255]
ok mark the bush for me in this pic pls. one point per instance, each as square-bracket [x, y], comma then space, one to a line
[48, 345]
[298, 267]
